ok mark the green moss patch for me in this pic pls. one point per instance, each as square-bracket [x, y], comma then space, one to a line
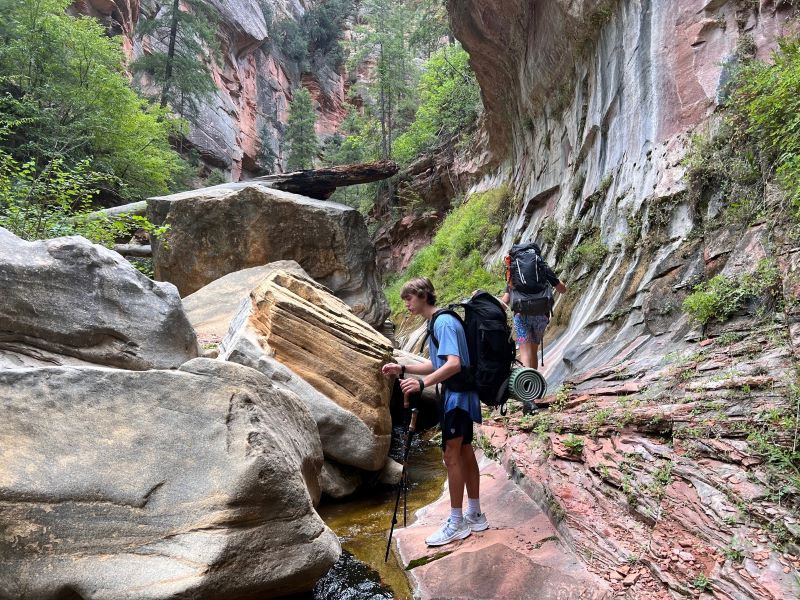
[418, 562]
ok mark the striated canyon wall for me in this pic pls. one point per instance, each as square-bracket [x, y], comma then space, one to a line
[668, 454]
[590, 108]
[249, 111]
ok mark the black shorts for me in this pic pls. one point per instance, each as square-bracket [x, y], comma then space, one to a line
[456, 423]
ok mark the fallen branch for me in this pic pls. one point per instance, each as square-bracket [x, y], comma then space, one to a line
[134, 250]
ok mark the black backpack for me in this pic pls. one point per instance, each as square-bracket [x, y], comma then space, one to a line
[526, 268]
[531, 292]
[490, 346]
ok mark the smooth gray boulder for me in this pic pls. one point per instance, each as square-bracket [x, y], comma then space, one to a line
[192, 483]
[338, 481]
[226, 228]
[69, 297]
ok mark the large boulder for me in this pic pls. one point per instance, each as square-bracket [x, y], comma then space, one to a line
[227, 228]
[69, 297]
[198, 484]
[212, 308]
[304, 338]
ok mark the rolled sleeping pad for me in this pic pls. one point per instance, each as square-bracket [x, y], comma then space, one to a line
[526, 384]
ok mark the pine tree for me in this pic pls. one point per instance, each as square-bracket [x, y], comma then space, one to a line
[300, 134]
[176, 64]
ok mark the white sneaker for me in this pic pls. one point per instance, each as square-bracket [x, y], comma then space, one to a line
[477, 521]
[449, 532]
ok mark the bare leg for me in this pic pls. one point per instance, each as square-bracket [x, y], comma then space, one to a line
[472, 474]
[527, 354]
[534, 349]
[455, 471]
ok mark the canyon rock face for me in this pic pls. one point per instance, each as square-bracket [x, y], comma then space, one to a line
[665, 457]
[68, 301]
[198, 482]
[246, 118]
[227, 228]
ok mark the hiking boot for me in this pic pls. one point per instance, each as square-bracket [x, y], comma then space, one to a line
[449, 532]
[476, 521]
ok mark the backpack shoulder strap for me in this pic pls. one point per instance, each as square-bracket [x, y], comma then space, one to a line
[444, 311]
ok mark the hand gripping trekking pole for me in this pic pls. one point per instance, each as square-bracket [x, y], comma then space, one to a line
[403, 475]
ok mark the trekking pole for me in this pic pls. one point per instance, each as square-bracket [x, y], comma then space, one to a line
[403, 475]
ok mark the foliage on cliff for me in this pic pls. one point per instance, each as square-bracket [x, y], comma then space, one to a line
[758, 142]
[64, 96]
[454, 259]
[180, 36]
[449, 104]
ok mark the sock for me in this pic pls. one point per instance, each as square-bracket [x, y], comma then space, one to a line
[455, 515]
[474, 506]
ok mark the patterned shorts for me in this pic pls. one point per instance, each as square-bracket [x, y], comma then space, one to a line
[530, 328]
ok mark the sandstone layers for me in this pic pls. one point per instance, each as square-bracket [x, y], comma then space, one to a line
[298, 324]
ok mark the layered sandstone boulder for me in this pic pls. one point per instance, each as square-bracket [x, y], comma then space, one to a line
[227, 228]
[67, 300]
[200, 484]
[212, 308]
[306, 339]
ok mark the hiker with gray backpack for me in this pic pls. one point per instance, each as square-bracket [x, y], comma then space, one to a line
[529, 293]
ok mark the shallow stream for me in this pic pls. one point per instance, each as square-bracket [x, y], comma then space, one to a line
[362, 524]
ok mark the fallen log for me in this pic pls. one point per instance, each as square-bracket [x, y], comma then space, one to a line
[321, 183]
[134, 250]
[135, 208]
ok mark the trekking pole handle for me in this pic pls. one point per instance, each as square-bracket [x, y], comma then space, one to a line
[406, 402]
[413, 425]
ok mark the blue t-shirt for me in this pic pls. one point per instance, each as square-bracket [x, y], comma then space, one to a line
[453, 342]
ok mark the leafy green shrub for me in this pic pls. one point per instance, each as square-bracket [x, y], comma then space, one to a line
[766, 106]
[454, 259]
[573, 444]
[63, 87]
[759, 139]
[721, 296]
[57, 201]
[590, 253]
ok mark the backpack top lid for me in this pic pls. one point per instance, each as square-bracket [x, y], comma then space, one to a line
[518, 248]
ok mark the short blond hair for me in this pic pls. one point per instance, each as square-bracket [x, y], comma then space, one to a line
[421, 287]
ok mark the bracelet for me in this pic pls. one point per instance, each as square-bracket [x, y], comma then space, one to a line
[402, 371]
[421, 386]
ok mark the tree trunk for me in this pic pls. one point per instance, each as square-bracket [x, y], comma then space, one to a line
[173, 34]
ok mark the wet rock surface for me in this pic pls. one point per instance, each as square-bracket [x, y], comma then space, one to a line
[521, 555]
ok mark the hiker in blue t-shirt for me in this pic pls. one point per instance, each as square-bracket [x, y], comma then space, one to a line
[457, 411]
